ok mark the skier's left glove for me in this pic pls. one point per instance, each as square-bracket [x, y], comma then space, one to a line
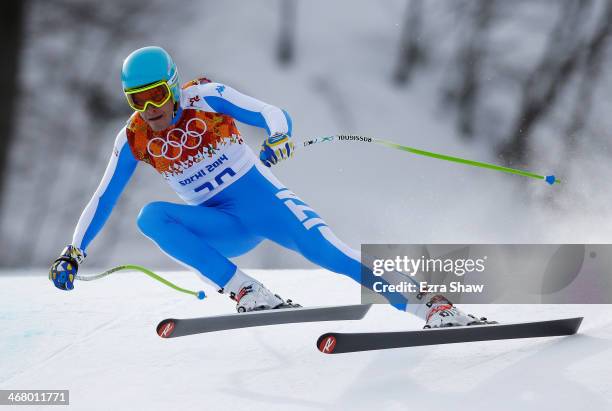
[276, 148]
[65, 267]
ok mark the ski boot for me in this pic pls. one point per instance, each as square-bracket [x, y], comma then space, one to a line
[256, 297]
[442, 313]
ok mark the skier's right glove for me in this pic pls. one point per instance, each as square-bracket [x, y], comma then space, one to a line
[276, 148]
[65, 268]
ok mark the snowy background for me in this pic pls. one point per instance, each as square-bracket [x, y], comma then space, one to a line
[522, 83]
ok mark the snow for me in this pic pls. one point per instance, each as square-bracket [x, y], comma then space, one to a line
[99, 341]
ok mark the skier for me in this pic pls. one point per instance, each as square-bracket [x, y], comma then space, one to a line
[233, 201]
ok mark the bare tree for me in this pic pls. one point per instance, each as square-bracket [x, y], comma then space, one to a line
[551, 76]
[286, 40]
[590, 74]
[469, 71]
[86, 86]
[411, 49]
[11, 28]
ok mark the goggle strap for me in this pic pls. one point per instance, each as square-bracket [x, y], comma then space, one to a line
[147, 87]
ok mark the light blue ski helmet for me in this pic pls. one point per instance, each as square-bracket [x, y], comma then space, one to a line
[148, 65]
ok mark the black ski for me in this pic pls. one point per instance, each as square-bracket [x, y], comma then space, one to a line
[171, 327]
[336, 343]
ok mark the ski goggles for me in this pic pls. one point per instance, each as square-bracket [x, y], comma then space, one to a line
[156, 94]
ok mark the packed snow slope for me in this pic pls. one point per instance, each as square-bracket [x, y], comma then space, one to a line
[99, 342]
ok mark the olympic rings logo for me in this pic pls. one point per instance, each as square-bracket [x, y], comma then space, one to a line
[176, 140]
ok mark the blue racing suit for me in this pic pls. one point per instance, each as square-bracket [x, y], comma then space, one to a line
[232, 201]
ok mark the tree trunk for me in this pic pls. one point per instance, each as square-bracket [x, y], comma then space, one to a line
[411, 53]
[544, 85]
[593, 61]
[11, 29]
[470, 63]
[286, 41]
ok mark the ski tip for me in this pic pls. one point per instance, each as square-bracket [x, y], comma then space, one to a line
[327, 343]
[550, 179]
[165, 328]
[575, 324]
[201, 295]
